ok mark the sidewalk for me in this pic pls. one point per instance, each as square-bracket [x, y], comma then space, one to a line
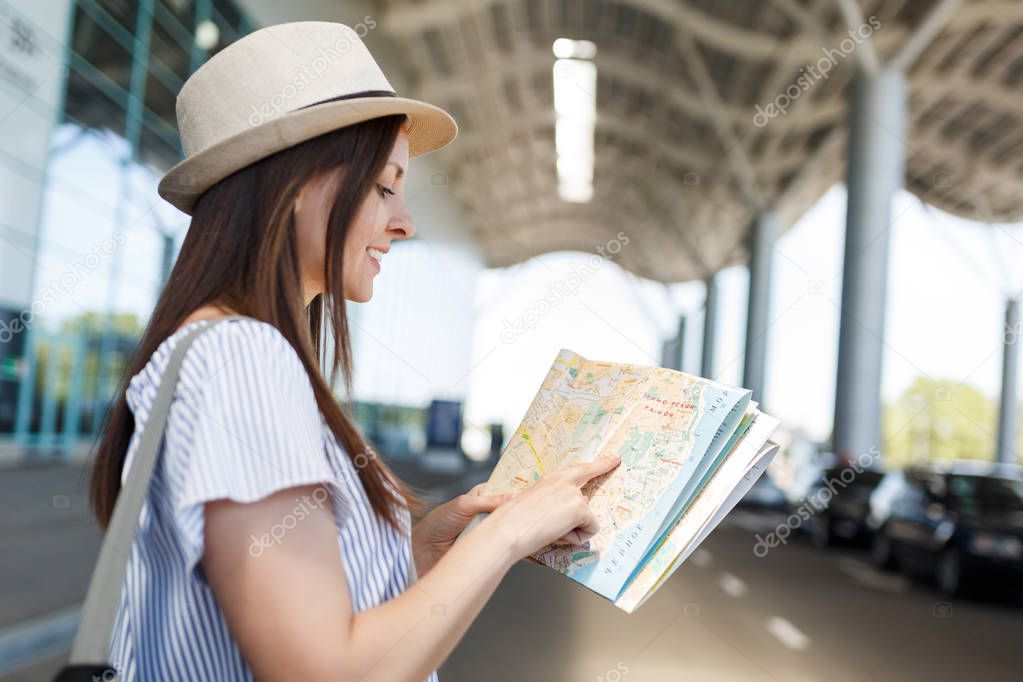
[15, 455]
[48, 545]
[48, 540]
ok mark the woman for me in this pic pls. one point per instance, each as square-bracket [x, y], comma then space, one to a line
[273, 543]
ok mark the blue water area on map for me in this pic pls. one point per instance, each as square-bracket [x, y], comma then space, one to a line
[610, 574]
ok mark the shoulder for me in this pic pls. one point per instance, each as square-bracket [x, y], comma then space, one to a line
[243, 353]
[246, 421]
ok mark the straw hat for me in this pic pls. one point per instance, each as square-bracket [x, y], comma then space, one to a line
[279, 86]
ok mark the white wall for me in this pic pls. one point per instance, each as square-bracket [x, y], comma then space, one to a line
[414, 340]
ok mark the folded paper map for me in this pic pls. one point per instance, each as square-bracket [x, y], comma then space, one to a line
[690, 448]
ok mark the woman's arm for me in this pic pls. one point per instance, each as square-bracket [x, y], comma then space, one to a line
[289, 610]
[288, 606]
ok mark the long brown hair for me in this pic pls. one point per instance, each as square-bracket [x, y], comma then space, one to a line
[241, 253]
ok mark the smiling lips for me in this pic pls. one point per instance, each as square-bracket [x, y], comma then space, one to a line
[376, 255]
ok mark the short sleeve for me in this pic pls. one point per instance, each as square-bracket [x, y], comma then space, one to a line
[244, 424]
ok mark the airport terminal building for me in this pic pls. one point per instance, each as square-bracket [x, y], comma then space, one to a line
[87, 94]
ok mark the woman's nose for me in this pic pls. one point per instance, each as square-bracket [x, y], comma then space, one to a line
[401, 225]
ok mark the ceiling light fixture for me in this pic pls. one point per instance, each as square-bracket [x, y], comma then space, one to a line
[575, 107]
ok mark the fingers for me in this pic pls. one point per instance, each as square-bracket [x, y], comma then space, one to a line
[572, 537]
[477, 489]
[475, 503]
[580, 534]
[590, 525]
[586, 522]
[583, 472]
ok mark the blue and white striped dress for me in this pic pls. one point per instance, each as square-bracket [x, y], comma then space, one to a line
[243, 424]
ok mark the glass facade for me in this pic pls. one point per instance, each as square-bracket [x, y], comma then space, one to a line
[87, 93]
[89, 86]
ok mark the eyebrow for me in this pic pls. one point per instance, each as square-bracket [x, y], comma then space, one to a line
[401, 171]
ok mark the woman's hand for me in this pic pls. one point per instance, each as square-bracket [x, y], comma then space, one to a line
[553, 510]
[433, 536]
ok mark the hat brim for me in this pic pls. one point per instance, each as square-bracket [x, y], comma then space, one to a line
[429, 128]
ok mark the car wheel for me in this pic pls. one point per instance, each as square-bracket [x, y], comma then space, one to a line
[881, 551]
[949, 573]
[820, 532]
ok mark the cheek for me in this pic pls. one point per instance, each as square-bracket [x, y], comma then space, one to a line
[358, 238]
[369, 222]
[311, 237]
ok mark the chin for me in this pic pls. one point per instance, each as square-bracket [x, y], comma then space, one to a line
[362, 295]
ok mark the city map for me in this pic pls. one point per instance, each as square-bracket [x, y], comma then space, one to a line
[672, 431]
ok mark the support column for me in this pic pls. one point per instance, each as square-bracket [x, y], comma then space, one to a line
[166, 258]
[762, 236]
[106, 386]
[1006, 452]
[710, 309]
[875, 172]
[672, 350]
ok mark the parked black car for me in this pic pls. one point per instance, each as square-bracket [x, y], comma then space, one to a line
[765, 495]
[838, 502]
[960, 523]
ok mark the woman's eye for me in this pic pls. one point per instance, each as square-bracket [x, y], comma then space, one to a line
[385, 191]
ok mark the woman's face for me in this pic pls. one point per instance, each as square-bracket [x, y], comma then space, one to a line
[383, 218]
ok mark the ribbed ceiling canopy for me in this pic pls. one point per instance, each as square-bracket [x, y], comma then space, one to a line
[683, 160]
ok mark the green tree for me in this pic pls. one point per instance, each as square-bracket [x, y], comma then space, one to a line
[123, 324]
[940, 419]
